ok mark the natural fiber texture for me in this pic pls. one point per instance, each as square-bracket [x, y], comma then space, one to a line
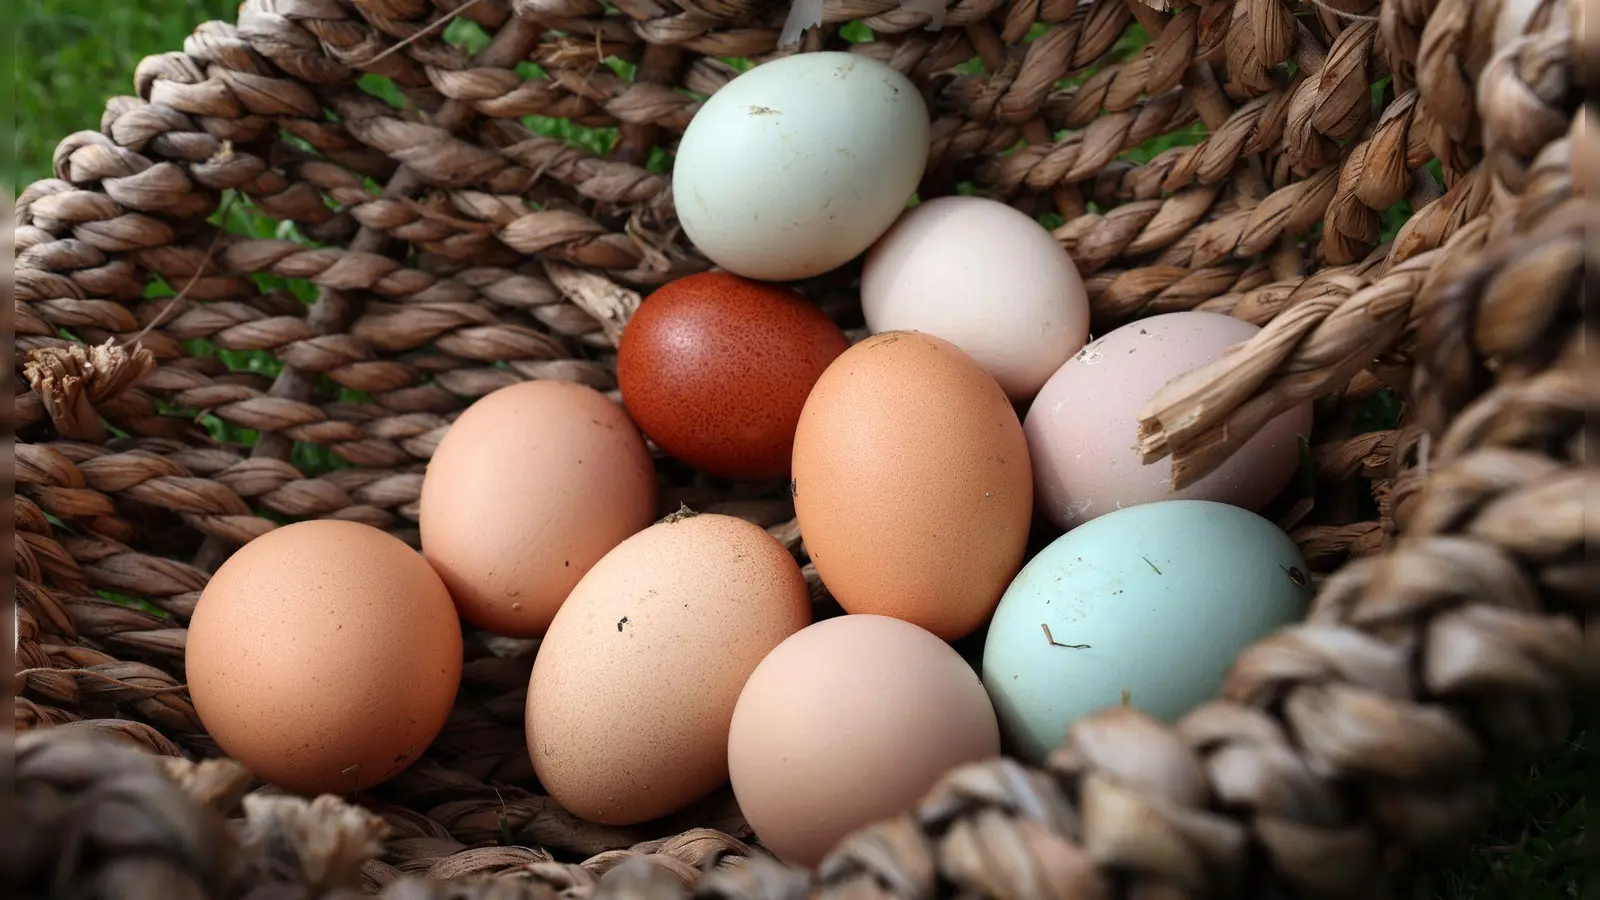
[451, 250]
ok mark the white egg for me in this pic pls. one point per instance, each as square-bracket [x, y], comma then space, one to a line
[796, 166]
[986, 277]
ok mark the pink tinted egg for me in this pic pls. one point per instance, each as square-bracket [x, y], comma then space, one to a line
[1082, 428]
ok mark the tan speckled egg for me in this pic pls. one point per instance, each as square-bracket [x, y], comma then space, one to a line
[912, 483]
[634, 685]
[528, 489]
[324, 656]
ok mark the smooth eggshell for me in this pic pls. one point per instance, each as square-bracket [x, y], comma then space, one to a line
[527, 490]
[911, 483]
[324, 656]
[634, 686]
[1083, 426]
[850, 721]
[1154, 600]
[715, 368]
[986, 277]
[796, 166]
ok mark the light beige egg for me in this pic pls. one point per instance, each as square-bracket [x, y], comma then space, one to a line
[529, 488]
[986, 277]
[634, 685]
[850, 721]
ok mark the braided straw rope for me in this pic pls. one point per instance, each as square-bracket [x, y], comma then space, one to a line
[451, 250]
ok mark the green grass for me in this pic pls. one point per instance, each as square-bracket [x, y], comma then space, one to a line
[1535, 848]
[71, 55]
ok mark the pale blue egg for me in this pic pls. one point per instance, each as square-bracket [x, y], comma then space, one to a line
[1150, 602]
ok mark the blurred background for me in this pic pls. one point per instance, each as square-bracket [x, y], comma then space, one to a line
[71, 55]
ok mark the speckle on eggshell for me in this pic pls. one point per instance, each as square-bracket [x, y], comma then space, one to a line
[633, 689]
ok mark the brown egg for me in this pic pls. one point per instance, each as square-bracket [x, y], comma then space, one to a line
[324, 656]
[530, 486]
[850, 721]
[715, 369]
[634, 686]
[912, 484]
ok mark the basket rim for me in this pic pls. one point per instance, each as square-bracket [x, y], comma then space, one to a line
[127, 205]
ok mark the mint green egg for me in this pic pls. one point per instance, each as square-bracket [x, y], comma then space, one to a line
[1148, 604]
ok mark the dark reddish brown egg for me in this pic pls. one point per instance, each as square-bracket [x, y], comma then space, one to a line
[715, 369]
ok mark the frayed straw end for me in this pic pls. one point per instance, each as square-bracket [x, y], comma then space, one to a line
[218, 784]
[72, 380]
[610, 304]
[1152, 443]
[326, 840]
[1177, 409]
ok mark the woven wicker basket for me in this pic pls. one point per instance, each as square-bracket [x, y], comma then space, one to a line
[1451, 629]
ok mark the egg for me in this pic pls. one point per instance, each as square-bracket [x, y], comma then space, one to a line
[985, 277]
[633, 688]
[324, 656]
[1083, 426]
[912, 486]
[528, 489]
[850, 721]
[1148, 605]
[796, 166]
[715, 368]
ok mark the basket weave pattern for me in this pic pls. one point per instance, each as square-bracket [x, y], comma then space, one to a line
[450, 249]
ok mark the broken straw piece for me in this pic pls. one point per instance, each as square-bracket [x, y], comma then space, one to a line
[803, 14]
